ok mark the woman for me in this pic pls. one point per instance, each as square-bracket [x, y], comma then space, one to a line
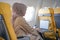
[20, 26]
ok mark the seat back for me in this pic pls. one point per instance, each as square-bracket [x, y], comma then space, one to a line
[44, 18]
[57, 19]
[3, 29]
[6, 13]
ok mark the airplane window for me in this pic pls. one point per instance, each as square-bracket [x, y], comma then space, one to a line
[29, 14]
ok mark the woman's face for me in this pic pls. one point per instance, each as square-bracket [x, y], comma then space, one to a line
[23, 12]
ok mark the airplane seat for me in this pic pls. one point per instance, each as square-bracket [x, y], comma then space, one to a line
[57, 20]
[6, 29]
[46, 22]
[3, 30]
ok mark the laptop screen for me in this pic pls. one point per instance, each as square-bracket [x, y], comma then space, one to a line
[44, 24]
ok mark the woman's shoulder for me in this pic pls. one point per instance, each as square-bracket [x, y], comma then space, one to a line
[19, 21]
[20, 18]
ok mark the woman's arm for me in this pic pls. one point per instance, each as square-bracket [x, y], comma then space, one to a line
[22, 22]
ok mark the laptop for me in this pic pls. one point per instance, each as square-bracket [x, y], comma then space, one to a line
[44, 24]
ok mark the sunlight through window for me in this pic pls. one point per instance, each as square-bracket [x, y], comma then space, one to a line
[29, 14]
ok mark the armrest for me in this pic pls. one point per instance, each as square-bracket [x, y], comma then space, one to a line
[23, 38]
